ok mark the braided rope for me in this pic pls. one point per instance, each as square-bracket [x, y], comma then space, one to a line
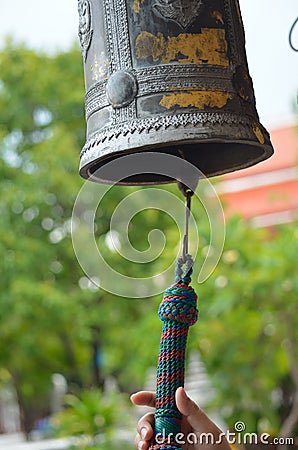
[178, 312]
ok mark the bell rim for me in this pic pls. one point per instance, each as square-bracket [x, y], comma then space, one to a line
[101, 160]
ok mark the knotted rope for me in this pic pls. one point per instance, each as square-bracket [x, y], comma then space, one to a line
[178, 312]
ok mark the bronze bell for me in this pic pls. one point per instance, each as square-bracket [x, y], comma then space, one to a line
[168, 76]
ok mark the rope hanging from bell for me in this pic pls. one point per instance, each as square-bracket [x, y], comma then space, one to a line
[178, 311]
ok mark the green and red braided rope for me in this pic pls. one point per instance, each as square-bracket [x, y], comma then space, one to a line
[178, 312]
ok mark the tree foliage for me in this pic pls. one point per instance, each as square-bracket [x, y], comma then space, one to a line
[248, 333]
[96, 419]
[52, 318]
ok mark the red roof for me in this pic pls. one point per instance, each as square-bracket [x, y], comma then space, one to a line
[268, 188]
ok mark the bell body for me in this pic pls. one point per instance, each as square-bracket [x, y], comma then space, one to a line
[168, 76]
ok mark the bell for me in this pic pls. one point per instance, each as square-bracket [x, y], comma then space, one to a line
[168, 76]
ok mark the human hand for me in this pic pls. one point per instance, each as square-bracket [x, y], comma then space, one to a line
[198, 431]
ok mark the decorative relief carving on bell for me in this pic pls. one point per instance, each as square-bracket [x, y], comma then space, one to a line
[183, 12]
[85, 27]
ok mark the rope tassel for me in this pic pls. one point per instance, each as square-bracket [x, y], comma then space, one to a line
[178, 312]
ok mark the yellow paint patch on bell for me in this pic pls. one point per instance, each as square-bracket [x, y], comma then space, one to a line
[99, 68]
[136, 6]
[259, 135]
[197, 99]
[93, 69]
[218, 16]
[208, 47]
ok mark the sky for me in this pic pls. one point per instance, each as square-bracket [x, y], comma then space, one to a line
[52, 25]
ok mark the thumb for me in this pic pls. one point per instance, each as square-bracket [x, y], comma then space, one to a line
[195, 416]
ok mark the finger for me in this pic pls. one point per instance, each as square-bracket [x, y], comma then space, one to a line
[143, 398]
[145, 427]
[140, 444]
[145, 431]
[196, 417]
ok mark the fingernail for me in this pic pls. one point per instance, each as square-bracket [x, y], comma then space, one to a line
[184, 394]
[140, 445]
[143, 432]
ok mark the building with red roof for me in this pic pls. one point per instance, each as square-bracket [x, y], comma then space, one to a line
[267, 193]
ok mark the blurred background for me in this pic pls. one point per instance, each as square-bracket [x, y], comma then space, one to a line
[70, 353]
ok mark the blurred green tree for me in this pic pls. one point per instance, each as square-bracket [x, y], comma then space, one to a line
[52, 318]
[97, 420]
[41, 305]
[249, 328]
